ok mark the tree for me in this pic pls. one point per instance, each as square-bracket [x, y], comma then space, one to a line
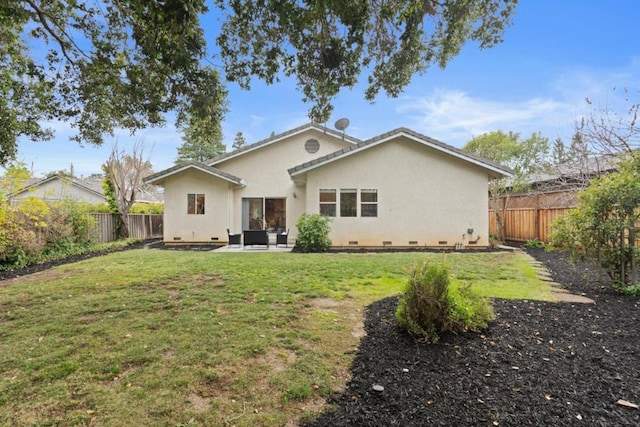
[15, 178]
[238, 141]
[106, 65]
[604, 130]
[327, 43]
[124, 64]
[524, 156]
[125, 173]
[202, 141]
[603, 225]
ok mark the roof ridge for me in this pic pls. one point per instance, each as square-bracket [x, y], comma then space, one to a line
[265, 141]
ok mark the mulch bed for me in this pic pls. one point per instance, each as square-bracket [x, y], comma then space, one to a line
[538, 364]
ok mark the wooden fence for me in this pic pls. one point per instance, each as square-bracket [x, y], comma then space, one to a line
[141, 226]
[527, 223]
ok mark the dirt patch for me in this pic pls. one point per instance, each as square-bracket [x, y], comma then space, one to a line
[199, 403]
[278, 359]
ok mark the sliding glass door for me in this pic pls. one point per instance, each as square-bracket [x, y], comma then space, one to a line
[269, 213]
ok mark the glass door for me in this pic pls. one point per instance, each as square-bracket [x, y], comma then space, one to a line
[275, 214]
[264, 214]
[252, 214]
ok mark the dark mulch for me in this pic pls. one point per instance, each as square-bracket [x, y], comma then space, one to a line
[538, 364]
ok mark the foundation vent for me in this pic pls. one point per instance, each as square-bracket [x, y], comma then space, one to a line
[387, 243]
[215, 238]
[442, 242]
[353, 242]
[413, 242]
[177, 238]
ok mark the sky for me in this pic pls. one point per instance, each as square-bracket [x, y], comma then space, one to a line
[555, 55]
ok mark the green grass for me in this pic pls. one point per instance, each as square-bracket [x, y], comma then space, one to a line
[146, 337]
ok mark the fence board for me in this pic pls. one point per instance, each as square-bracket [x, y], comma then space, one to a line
[141, 226]
[527, 223]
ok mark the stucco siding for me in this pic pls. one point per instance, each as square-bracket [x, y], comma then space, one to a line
[265, 173]
[425, 197]
[56, 190]
[210, 227]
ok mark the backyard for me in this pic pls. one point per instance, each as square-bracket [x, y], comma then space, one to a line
[151, 337]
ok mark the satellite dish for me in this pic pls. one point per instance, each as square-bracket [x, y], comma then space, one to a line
[342, 124]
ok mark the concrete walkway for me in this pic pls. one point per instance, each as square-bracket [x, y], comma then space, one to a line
[558, 292]
[255, 249]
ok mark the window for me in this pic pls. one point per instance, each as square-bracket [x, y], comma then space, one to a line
[195, 204]
[368, 202]
[348, 202]
[328, 202]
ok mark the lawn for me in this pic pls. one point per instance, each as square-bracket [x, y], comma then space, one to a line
[150, 337]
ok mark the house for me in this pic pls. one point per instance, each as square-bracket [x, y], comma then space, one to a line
[399, 189]
[58, 187]
[559, 186]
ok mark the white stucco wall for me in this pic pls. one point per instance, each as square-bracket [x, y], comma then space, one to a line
[210, 227]
[425, 197]
[265, 173]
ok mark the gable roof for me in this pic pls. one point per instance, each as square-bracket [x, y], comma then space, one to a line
[273, 139]
[85, 186]
[495, 169]
[160, 176]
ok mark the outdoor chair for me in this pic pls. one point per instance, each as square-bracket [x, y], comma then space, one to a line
[281, 239]
[234, 238]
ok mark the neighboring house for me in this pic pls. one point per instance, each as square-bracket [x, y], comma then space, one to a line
[399, 189]
[559, 187]
[58, 187]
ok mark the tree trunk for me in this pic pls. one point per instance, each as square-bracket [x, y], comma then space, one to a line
[122, 229]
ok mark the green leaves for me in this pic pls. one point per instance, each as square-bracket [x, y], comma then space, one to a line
[328, 44]
[127, 63]
[102, 66]
[602, 227]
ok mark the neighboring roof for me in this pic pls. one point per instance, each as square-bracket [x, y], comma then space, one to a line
[576, 171]
[497, 169]
[273, 139]
[88, 187]
[160, 176]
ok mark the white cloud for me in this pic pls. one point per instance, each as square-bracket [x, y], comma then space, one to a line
[455, 116]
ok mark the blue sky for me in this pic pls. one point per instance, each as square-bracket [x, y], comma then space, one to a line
[556, 54]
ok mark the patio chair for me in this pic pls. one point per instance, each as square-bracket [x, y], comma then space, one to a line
[281, 239]
[234, 238]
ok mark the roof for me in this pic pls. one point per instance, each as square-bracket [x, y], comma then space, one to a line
[275, 138]
[578, 170]
[160, 176]
[496, 169]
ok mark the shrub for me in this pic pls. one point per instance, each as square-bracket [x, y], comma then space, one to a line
[147, 208]
[533, 244]
[602, 228]
[428, 309]
[313, 233]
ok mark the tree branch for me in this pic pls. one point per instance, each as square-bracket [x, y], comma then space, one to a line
[43, 18]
